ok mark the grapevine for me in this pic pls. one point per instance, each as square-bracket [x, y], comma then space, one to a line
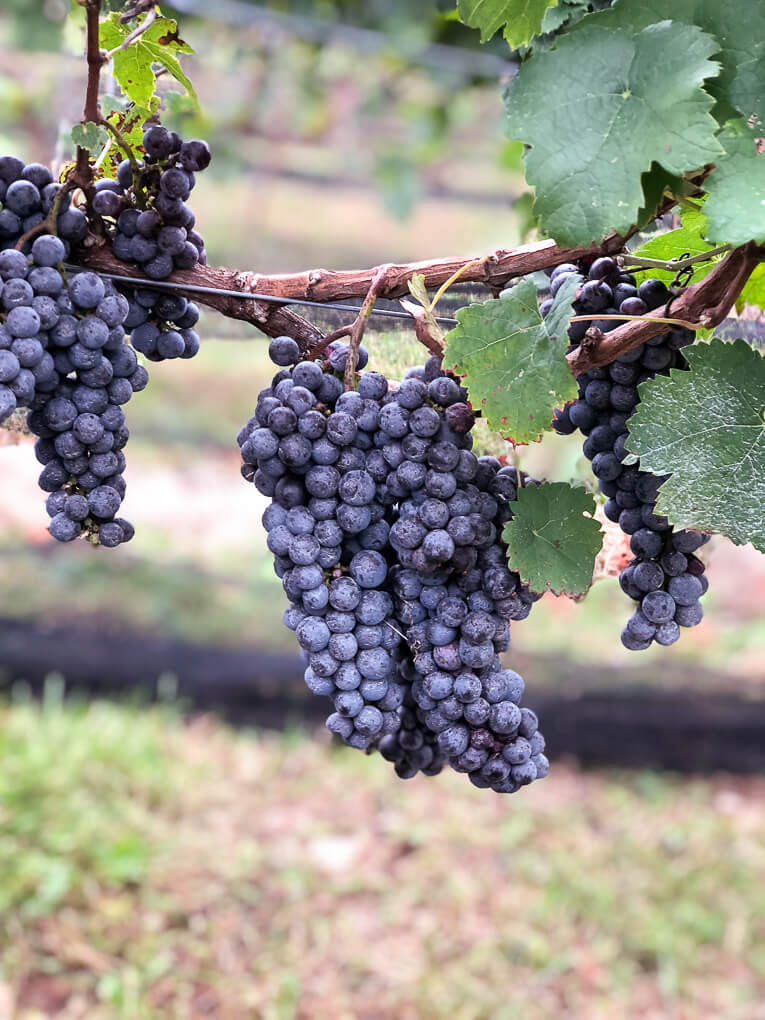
[404, 552]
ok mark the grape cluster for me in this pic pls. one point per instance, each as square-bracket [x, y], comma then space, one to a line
[665, 578]
[385, 529]
[63, 355]
[454, 594]
[146, 209]
[152, 226]
[63, 347]
[412, 747]
[27, 194]
[307, 447]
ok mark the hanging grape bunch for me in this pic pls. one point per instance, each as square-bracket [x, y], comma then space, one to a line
[665, 578]
[64, 351]
[152, 227]
[386, 532]
[63, 355]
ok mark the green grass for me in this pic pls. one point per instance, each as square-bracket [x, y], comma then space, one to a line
[151, 869]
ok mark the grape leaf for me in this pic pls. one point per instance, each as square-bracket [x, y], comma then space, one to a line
[735, 208]
[514, 361]
[418, 290]
[607, 86]
[688, 239]
[134, 66]
[553, 538]
[130, 124]
[522, 18]
[738, 26]
[706, 427]
[89, 136]
[563, 13]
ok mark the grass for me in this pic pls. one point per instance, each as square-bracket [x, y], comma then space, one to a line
[151, 869]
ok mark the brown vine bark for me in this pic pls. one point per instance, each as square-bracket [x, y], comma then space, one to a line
[323, 285]
[706, 303]
[82, 175]
[494, 272]
[273, 320]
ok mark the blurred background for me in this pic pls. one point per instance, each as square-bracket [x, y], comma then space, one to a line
[158, 861]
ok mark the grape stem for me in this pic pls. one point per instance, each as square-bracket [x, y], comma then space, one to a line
[638, 318]
[671, 265]
[50, 223]
[358, 327]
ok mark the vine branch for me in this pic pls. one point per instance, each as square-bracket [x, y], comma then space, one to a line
[494, 270]
[83, 174]
[706, 303]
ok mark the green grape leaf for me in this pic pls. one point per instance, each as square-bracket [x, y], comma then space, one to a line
[134, 66]
[563, 13]
[89, 136]
[163, 46]
[654, 183]
[553, 538]
[610, 86]
[754, 289]
[735, 208]
[514, 361]
[738, 26]
[522, 19]
[689, 239]
[706, 428]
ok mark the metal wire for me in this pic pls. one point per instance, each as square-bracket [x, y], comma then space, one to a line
[250, 296]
